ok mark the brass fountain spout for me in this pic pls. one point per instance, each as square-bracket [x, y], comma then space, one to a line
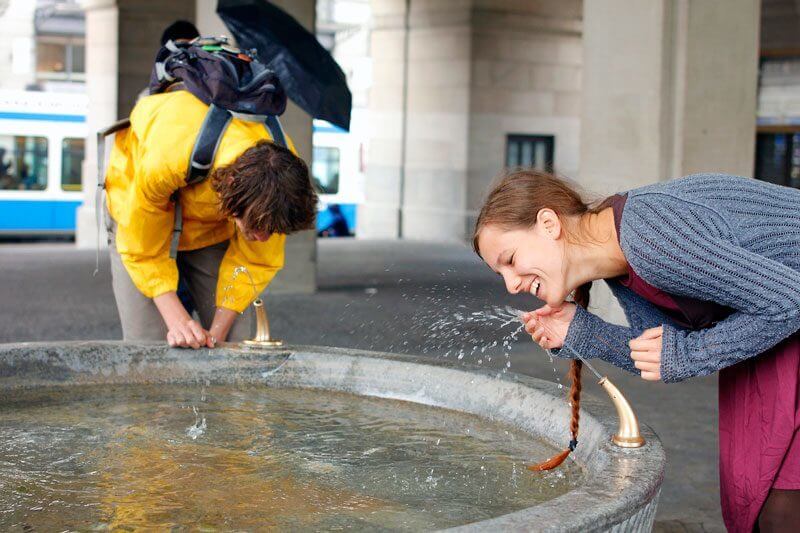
[628, 434]
[262, 337]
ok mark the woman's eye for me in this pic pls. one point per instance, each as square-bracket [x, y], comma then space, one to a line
[511, 259]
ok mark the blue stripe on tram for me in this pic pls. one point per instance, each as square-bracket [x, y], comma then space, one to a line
[38, 215]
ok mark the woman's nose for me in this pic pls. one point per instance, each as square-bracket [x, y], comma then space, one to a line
[513, 283]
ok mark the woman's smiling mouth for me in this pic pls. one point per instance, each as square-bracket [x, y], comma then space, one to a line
[533, 288]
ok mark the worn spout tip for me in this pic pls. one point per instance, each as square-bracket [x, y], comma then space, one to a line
[628, 435]
[262, 337]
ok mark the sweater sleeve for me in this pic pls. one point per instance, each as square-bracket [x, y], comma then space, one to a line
[689, 249]
[593, 337]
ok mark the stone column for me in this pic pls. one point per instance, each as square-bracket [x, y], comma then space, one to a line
[669, 90]
[436, 155]
[102, 60]
[476, 72]
[300, 273]
[378, 216]
[207, 21]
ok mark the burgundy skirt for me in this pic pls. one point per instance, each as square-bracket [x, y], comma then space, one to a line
[759, 440]
[759, 407]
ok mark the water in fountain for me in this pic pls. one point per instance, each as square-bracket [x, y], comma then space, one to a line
[122, 457]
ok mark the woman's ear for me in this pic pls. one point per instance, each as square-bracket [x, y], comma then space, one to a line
[548, 221]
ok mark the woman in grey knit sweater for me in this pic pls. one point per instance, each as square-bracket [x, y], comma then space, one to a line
[707, 269]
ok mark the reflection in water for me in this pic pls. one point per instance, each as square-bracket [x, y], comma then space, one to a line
[257, 457]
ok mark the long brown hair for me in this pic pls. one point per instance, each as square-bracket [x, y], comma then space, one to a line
[514, 203]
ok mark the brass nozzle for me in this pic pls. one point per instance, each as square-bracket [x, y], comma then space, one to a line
[262, 337]
[628, 435]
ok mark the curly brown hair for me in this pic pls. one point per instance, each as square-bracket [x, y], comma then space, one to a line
[269, 189]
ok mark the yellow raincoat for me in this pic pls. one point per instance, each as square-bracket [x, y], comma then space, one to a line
[148, 163]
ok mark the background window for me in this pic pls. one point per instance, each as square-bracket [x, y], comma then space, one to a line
[778, 158]
[534, 151]
[51, 57]
[71, 161]
[60, 58]
[23, 163]
[325, 169]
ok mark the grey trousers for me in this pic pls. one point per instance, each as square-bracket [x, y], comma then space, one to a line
[199, 269]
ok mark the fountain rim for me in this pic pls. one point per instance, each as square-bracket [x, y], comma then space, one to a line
[619, 483]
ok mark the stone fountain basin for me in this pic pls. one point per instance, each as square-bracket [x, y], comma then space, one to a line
[621, 486]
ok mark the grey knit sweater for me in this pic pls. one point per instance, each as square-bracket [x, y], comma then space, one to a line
[726, 239]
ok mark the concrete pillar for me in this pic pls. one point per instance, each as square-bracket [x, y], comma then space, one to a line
[122, 38]
[477, 70]
[669, 90]
[207, 21]
[17, 45]
[378, 216]
[300, 273]
[434, 193]
[102, 60]
[416, 176]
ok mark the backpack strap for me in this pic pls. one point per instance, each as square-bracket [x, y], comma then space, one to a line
[101, 179]
[101, 148]
[275, 130]
[206, 144]
[200, 163]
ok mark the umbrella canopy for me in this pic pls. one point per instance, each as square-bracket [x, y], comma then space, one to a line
[308, 73]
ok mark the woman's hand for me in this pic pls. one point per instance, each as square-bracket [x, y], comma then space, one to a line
[548, 326]
[646, 353]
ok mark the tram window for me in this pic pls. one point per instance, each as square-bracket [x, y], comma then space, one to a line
[325, 169]
[530, 151]
[71, 161]
[23, 163]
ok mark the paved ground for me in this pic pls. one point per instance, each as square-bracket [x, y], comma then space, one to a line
[386, 296]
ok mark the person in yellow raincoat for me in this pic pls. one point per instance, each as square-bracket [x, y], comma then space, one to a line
[257, 192]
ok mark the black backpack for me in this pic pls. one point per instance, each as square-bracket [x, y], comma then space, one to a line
[232, 82]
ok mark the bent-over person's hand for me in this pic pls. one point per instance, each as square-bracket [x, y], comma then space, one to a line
[182, 331]
[189, 334]
[646, 353]
[548, 326]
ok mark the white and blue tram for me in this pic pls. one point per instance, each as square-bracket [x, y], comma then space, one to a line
[42, 138]
[338, 171]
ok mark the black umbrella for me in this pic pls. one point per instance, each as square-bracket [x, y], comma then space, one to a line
[307, 71]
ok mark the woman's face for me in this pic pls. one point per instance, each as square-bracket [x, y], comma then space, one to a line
[529, 260]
